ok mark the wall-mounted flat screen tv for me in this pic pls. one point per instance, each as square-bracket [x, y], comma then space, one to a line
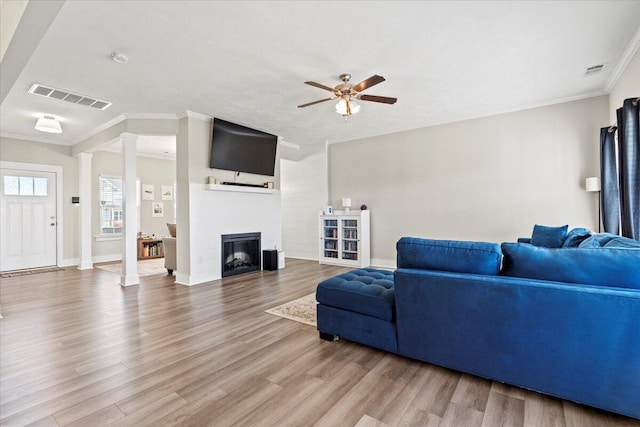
[241, 149]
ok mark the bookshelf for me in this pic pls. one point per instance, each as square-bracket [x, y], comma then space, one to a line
[345, 239]
[150, 248]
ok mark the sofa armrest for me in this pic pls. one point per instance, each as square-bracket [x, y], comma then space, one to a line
[169, 244]
[548, 336]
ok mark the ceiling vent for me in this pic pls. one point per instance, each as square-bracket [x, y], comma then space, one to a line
[64, 95]
[594, 69]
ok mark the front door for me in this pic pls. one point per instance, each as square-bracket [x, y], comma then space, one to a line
[28, 219]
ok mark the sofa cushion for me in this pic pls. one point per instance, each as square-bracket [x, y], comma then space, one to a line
[609, 240]
[172, 229]
[449, 255]
[366, 291]
[592, 266]
[548, 237]
[575, 237]
[597, 240]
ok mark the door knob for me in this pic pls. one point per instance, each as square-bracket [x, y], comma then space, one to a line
[52, 224]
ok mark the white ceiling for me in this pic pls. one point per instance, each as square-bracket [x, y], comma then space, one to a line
[246, 61]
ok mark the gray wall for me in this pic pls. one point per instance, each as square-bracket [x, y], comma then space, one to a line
[150, 171]
[488, 179]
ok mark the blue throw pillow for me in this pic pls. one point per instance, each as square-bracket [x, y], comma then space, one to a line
[548, 237]
[575, 237]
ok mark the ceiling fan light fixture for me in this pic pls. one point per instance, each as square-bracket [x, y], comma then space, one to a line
[48, 124]
[347, 107]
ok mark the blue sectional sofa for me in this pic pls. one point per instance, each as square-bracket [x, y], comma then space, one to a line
[560, 321]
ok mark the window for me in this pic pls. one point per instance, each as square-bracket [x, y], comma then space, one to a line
[25, 186]
[110, 205]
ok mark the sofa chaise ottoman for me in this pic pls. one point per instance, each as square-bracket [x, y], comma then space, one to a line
[359, 306]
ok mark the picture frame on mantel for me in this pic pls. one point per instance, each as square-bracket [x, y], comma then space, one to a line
[148, 192]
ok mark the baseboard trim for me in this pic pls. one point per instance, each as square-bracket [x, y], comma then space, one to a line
[385, 264]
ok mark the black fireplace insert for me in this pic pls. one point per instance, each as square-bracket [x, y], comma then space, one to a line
[240, 253]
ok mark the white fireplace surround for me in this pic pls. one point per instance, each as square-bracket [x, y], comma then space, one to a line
[214, 213]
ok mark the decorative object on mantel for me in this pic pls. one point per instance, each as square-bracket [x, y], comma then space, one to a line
[167, 192]
[592, 185]
[346, 204]
[363, 207]
[329, 210]
[148, 192]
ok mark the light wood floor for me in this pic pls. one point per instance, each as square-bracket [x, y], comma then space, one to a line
[77, 349]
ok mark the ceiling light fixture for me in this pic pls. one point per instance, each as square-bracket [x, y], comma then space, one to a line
[346, 106]
[119, 57]
[48, 124]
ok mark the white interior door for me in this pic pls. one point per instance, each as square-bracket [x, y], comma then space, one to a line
[28, 219]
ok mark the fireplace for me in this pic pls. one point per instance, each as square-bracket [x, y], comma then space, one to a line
[240, 253]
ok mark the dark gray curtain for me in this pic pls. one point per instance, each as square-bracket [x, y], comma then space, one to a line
[629, 163]
[609, 198]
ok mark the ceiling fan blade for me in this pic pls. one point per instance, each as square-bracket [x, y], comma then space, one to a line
[314, 102]
[318, 85]
[371, 81]
[373, 98]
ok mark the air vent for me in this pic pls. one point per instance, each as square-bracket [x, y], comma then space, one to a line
[594, 69]
[64, 95]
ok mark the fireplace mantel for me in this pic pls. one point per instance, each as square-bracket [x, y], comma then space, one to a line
[240, 189]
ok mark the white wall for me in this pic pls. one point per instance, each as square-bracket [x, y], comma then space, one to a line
[214, 213]
[304, 196]
[485, 179]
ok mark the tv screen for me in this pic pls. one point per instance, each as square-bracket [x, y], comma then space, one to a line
[241, 149]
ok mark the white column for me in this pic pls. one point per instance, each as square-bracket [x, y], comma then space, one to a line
[130, 212]
[84, 178]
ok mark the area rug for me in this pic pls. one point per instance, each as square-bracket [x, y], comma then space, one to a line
[15, 273]
[146, 267]
[301, 310]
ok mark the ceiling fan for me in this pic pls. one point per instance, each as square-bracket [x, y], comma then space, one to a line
[348, 93]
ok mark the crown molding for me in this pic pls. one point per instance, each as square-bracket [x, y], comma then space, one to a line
[289, 144]
[35, 139]
[100, 128]
[622, 64]
[120, 118]
[151, 116]
[485, 115]
[194, 115]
